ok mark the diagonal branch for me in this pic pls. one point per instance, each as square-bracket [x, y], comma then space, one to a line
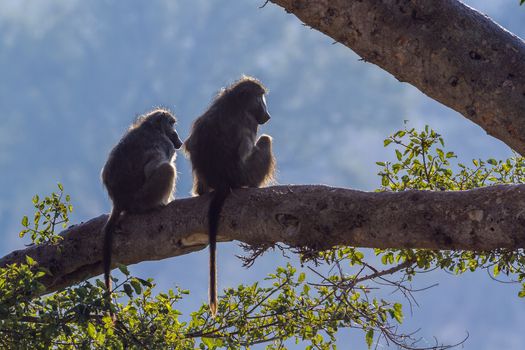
[449, 51]
[317, 217]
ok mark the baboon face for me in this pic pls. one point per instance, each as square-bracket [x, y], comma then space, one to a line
[173, 136]
[165, 123]
[260, 110]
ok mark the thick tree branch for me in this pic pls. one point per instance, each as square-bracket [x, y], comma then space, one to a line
[446, 49]
[317, 217]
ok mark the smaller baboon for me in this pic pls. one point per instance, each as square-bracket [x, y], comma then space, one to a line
[140, 173]
[225, 153]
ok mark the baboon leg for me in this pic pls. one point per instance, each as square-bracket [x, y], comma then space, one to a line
[259, 168]
[158, 188]
[199, 186]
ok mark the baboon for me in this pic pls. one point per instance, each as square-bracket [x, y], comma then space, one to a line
[226, 154]
[140, 174]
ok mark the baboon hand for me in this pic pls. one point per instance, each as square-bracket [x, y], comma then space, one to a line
[265, 141]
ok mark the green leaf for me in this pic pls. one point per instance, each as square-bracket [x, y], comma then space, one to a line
[209, 342]
[398, 312]
[107, 320]
[492, 161]
[101, 337]
[128, 290]
[40, 274]
[144, 282]
[60, 187]
[398, 155]
[36, 199]
[30, 261]
[37, 217]
[301, 277]
[136, 285]
[92, 332]
[381, 163]
[440, 153]
[100, 284]
[359, 255]
[387, 142]
[123, 269]
[369, 338]
[25, 221]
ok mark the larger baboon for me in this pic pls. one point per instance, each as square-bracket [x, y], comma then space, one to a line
[226, 154]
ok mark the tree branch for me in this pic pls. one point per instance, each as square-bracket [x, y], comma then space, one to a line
[446, 49]
[316, 217]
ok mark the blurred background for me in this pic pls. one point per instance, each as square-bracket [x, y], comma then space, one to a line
[74, 74]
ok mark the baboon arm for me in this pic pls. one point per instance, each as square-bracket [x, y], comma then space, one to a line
[158, 188]
[246, 148]
[259, 165]
[154, 158]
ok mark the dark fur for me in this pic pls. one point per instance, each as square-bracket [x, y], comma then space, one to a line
[226, 154]
[140, 174]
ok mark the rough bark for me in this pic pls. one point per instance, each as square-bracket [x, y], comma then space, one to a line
[449, 51]
[317, 217]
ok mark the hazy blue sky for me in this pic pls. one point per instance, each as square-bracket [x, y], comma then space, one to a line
[74, 74]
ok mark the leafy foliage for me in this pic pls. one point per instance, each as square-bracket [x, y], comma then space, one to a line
[77, 317]
[50, 212]
[287, 307]
[423, 163]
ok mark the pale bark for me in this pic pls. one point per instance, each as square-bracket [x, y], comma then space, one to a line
[446, 49]
[316, 217]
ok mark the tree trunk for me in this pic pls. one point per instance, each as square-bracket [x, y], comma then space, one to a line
[314, 217]
[446, 49]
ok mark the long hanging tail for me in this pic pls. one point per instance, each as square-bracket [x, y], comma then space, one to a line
[109, 230]
[214, 213]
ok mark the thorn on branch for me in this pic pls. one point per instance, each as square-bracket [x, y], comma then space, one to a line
[264, 5]
[253, 253]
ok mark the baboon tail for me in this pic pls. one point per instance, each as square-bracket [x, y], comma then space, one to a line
[214, 214]
[109, 230]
